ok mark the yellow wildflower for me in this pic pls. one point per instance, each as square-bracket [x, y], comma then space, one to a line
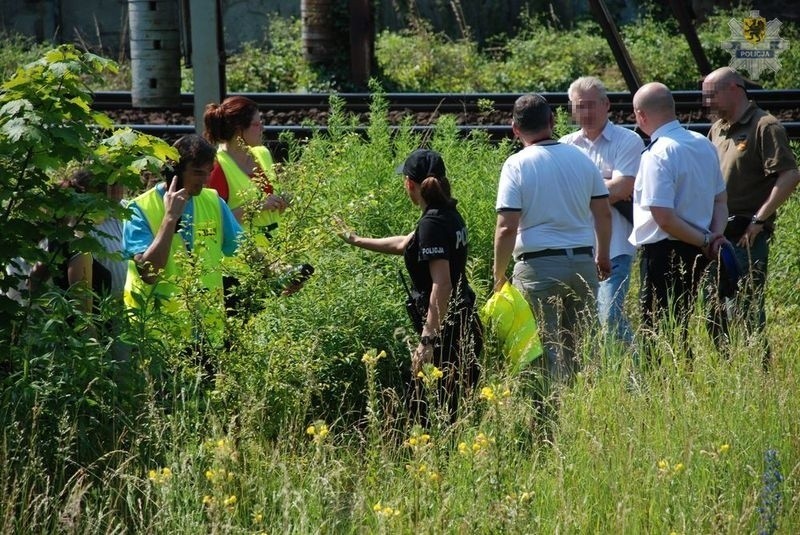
[679, 468]
[230, 501]
[318, 431]
[371, 359]
[159, 476]
[462, 448]
[208, 500]
[430, 374]
[258, 518]
[377, 507]
[322, 432]
[663, 465]
[724, 449]
[487, 393]
[434, 477]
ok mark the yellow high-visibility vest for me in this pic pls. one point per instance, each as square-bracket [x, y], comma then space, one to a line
[207, 240]
[241, 189]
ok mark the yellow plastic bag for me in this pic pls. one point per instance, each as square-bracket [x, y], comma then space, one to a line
[509, 315]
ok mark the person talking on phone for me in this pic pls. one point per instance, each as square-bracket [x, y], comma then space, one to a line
[435, 255]
[180, 217]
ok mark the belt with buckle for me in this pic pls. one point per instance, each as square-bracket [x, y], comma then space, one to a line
[555, 252]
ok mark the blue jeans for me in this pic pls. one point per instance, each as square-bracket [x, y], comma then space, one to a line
[611, 299]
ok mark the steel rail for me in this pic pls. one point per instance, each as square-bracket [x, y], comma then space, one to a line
[442, 102]
[495, 132]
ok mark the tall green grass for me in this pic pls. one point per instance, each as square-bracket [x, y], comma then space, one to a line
[302, 433]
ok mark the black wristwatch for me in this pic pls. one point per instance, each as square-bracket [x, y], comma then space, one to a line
[428, 340]
[757, 221]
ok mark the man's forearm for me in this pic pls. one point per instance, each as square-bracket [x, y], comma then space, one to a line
[155, 257]
[503, 248]
[783, 189]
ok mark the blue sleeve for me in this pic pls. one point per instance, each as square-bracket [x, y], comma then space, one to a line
[230, 230]
[136, 233]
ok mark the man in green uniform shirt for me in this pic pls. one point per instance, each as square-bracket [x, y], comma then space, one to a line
[761, 173]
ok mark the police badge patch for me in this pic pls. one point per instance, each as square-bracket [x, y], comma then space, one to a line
[755, 44]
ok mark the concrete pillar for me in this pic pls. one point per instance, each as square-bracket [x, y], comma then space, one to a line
[206, 60]
[317, 31]
[155, 53]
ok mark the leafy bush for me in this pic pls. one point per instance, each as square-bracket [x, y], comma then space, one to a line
[274, 65]
[541, 58]
[58, 383]
[17, 50]
[425, 61]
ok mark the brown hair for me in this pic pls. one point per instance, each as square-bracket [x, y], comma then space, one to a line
[80, 180]
[435, 191]
[222, 121]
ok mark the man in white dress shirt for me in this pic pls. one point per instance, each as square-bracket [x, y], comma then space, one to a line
[615, 151]
[679, 210]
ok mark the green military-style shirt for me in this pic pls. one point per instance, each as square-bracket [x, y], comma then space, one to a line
[752, 152]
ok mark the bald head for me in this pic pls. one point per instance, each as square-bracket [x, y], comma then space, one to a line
[724, 76]
[654, 106]
[724, 93]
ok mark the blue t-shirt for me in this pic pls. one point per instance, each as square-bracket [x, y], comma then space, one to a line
[137, 236]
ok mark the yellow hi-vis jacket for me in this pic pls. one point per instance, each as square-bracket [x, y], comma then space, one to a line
[206, 251]
[241, 189]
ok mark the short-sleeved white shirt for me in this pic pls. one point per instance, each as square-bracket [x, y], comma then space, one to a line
[678, 170]
[616, 152]
[551, 184]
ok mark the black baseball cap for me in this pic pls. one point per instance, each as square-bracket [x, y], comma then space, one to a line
[421, 164]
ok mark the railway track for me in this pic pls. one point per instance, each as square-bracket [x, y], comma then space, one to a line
[303, 114]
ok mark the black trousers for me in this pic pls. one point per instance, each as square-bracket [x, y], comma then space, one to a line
[457, 358]
[671, 273]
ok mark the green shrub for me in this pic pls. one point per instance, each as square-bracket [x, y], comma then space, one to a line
[274, 65]
[425, 61]
[541, 59]
[17, 50]
[57, 381]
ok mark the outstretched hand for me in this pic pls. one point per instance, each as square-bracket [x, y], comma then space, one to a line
[343, 230]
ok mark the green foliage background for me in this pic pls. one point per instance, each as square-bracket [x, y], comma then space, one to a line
[539, 56]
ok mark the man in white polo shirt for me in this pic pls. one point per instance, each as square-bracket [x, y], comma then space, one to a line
[553, 216]
[679, 211]
[615, 151]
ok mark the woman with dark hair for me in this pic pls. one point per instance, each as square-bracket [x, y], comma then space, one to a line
[243, 171]
[435, 255]
[244, 177]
